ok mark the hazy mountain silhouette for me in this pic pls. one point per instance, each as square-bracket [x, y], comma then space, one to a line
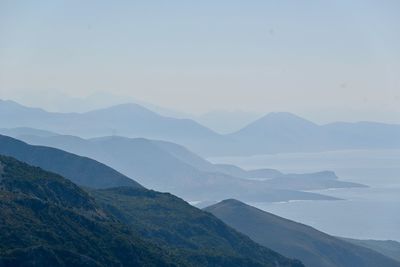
[285, 132]
[225, 122]
[22, 131]
[275, 132]
[388, 248]
[130, 120]
[310, 181]
[312, 247]
[278, 132]
[169, 167]
[80, 170]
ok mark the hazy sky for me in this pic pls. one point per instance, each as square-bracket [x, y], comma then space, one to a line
[196, 56]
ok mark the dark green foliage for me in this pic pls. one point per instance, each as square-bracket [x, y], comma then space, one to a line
[45, 220]
[193, 235]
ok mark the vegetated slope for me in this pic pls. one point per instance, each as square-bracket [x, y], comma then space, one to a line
[312, 247]
[196, 236]
[46, 220]
[80, 170]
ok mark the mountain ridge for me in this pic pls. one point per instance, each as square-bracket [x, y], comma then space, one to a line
[312, 247]
[163, 170]
[82, 170]
[277, 132]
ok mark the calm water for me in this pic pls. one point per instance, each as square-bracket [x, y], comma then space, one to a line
[366, 213]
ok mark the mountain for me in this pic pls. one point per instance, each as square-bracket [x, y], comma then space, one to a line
[362, 135]
[312, 247]
[59, 224]
[80, 170]
[310, 181]
[277, 132]
[388, 248]
[168, 167]
[46, 220]
[170, 222]
[277, 122]
[196, 161]
[57, 101]
[274, 133]
[225, 121]
[22, 131]
[130, 120]
[285, 132]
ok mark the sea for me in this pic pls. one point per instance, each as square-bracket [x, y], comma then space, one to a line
[364, 213]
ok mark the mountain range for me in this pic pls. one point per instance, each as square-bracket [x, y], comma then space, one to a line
[129, 120]
[284, 132]
[312, 247]
[273, 133]
[169, 167]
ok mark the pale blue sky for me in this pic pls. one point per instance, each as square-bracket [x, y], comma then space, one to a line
[196, 56]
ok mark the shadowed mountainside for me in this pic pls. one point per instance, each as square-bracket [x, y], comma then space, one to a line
[312, 247]
[169, 222]
[388, 248]
[46, 220]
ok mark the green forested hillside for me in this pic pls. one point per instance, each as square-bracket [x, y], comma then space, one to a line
[192, 234]
[47, 220]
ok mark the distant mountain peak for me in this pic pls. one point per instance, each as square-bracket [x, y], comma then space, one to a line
[284, 117]
[6, 101]
[275, 121]
[126, 107]
[10, 104]
[230, 201]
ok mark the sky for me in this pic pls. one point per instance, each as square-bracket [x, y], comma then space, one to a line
[327, 60]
